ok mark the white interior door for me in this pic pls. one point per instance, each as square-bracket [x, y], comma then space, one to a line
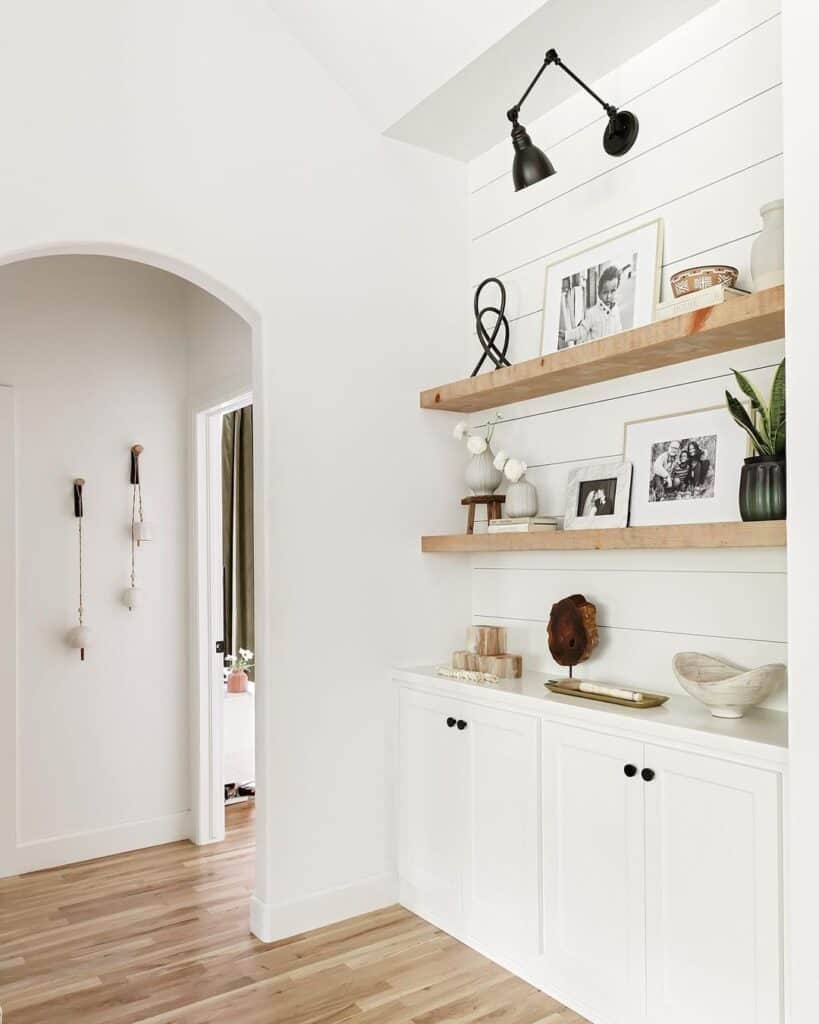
[432, 800]
[502, 870]
[593, 861]
[712, 891]
[8, 638]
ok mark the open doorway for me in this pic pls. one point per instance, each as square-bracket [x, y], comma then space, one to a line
[226, 586]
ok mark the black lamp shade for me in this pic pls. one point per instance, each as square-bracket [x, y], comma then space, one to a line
[530, 164]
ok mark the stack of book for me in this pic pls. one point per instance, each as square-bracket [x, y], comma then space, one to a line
[523, 524]
[712, 296]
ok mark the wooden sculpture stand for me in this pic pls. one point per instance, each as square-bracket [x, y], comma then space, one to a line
[494, 505]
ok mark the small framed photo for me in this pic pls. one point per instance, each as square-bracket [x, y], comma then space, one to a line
[604, 290]
[686, 467]
[598, 497]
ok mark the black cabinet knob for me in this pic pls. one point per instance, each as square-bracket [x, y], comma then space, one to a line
[630, 770]
[648, 774]
[450, 721]
[461, 724]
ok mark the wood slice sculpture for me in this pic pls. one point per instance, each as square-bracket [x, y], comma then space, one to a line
[572, 630]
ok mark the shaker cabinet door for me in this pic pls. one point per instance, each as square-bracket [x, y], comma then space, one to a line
[593, 859]
[712, 891]
[432, 782]
[502, 869]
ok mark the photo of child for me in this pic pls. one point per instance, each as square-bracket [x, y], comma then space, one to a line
[609, 287]
[597, 302]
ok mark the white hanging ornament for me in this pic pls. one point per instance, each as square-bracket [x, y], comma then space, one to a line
[79, 636]
[140, 530]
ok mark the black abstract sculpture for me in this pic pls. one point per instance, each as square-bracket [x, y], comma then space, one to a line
[490, 350]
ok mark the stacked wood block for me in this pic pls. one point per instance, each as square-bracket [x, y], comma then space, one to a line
[486, 652]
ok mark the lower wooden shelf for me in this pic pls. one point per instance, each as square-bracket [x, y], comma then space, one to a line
[700, 535]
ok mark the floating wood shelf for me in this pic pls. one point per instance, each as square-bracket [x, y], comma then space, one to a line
[704, 535]
[735, 323]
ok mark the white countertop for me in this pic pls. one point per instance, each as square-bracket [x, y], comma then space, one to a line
[761, 736]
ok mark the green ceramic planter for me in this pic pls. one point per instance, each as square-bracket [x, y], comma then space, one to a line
[762, 489]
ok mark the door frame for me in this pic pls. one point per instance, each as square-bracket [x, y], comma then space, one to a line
[209, 805]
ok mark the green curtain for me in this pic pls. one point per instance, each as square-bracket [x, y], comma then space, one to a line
[237, 529]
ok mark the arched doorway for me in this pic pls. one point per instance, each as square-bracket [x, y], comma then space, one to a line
[22, 850]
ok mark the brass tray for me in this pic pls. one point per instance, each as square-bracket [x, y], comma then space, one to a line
[569, 689]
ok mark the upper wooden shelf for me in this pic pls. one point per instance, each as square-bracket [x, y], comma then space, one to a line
[735, 323]
[700, 535]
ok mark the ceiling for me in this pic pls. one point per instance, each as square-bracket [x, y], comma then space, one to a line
[391, 54]
[442, 73]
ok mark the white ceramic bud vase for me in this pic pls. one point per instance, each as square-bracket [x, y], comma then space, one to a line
[768, 250]
[521, 499]
[481, 475]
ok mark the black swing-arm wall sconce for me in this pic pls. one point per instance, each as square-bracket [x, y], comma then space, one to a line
[531, 164]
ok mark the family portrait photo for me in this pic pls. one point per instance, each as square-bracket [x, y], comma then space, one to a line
[603, 290]
[597, 497]
[686, 468]
[683, 468]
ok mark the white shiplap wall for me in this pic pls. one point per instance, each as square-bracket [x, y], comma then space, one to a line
[708, 156]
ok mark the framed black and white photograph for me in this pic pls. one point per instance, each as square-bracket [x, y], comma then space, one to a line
[604, 290]
[686, 468]
[598, 497]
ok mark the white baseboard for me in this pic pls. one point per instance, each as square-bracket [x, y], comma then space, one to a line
[271, 922]
[137, 835]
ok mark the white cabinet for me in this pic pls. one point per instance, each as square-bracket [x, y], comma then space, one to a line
[501, 869]
[469, 821]
[432, 779]
[636, 880]
[712, 891]
[593, 878]
[661, 882]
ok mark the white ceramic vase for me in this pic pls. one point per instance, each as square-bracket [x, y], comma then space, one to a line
[481, 475]
[768, 250]
[521, 499]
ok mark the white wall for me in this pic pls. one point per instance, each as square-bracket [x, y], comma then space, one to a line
[709, 154]
[174, 136]
[96, 354]
[219, 350]
[800, 27]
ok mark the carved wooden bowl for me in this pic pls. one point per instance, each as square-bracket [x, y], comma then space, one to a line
[725, 688]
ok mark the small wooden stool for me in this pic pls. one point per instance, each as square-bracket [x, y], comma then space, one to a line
[494, 507]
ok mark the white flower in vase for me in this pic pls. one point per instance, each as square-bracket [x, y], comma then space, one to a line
[476, 444]
[515, 470]
[461, 430]
[500, 460]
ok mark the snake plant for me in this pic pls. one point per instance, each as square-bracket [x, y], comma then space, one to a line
[765, 424]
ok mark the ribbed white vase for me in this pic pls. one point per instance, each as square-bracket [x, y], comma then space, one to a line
[481, 475]
[768, 250]
[521, 499]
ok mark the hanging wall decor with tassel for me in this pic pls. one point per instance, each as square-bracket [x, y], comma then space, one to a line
[140, 530]
[78, 637]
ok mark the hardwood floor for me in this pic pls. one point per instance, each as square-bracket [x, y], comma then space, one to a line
[160, 936]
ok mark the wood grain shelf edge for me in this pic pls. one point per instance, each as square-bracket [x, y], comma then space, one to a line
[735, 323]
[700, 535]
